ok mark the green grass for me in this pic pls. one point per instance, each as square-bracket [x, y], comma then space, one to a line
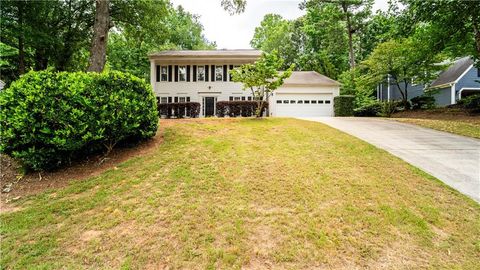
[272, 193]
[459, 127]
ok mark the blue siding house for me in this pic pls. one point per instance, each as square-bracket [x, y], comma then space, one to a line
[459, 80]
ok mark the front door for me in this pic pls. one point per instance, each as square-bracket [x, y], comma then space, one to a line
[209, 106]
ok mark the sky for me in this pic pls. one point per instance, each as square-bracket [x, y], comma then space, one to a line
[235, 32]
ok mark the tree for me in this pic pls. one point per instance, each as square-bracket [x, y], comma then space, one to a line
[98, 51]
[262, 78]
[455, 25]
[404, 60]
[353, 13]
[234, 6]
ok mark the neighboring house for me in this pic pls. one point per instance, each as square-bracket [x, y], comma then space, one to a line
[457, 81]
[203, 76]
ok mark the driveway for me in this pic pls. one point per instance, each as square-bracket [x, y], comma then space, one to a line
[453, 159]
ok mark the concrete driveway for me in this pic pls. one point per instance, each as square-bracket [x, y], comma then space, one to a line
[453, 159]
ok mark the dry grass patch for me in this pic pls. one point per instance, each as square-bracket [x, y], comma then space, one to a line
[252, 194]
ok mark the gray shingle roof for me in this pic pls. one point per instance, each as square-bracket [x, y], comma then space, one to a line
[208, 53]
[453, 72]
[309, 78]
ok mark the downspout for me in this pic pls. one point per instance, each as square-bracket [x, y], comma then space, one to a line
[388, 87]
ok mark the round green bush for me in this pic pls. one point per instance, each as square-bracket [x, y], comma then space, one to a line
[343, 105]
[49, 119]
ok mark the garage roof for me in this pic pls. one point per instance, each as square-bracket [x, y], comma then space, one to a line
[453, 72]
[309, 78]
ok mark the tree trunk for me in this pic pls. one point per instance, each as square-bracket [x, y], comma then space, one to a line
[98, 51]
[21, 39]
[476, 31]
[350, 36]
[41, 62]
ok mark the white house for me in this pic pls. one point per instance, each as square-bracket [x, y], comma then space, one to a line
[202, 76]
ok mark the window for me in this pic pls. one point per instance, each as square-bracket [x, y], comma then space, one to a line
[218, 73]
[285, 102]
[201, 73]
[182, 100]
[164, 73]
[230, 98]
[243, 98]
[237, 98]
[188, 99]
[327, 101]
[249, 98]
[300, 102]
[320, 102]
[292, 101]
[314, 102]
[306, 101]
[279, 101]
[163, 100]
[182, 73]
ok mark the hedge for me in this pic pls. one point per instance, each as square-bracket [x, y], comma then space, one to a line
[49, 119]
[238, 108]
[373, 109]
[423, 102]
[179, 110]
[343, 105]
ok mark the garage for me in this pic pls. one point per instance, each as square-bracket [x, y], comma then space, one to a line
[305, 94]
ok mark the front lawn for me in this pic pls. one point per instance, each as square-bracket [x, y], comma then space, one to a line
[247, 193]
[448, 120]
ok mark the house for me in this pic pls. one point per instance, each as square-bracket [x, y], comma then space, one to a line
[203, 76]
[459, 80]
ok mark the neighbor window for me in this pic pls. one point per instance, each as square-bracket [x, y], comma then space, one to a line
[201, 73]
[163, 100]
[182, 99]
[306, 101]
[249, 98]
[230, 98]
[243, 98]
[314, 102]
[182, 73]
[285, 101]
[218, 73]
[327, 101]
[279, 101]
[300, 102]
[292, 101]
[237, 98]
[320, 102]
[164, 73]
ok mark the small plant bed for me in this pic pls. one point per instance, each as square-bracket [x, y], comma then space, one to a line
[452, 120]
[247, 193]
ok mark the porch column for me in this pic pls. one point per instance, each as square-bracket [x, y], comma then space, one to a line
[152, 74]
[452, 94]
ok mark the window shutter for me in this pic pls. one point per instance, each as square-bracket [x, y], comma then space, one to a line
[225, 72]
[176, 99]
[194, 73]
[169, 99]
[188, 73]
[176, 73]
[170, 73]
[158, 73]
[206, 73]
[213, 73]
[230, 75]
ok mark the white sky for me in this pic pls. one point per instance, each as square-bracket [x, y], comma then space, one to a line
[235, 32]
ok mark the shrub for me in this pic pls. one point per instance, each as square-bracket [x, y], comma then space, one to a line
[372, 109]
[389, 107]
[471, 103]
[343, 105]
[49, 119]
[423, 102]
[238, 108]
[179, 110]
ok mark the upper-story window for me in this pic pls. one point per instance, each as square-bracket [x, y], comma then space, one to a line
[182, 73]
[218, 73]
[201, 73]
[164, 73]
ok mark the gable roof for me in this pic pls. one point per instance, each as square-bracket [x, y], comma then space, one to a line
[454, 72]
[207, 53]
[309, 78]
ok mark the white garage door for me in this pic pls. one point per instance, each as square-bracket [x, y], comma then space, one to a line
[303, 105]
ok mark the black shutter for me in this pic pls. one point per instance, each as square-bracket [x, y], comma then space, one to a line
[230, 75]
[169, 99]
[225, 72]
[188, 99]
[158, 73]
[176, 73]
[213, 73]
[194, 73]
[206, 73]
[188, 73]
[176, 99]
[170, 73]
